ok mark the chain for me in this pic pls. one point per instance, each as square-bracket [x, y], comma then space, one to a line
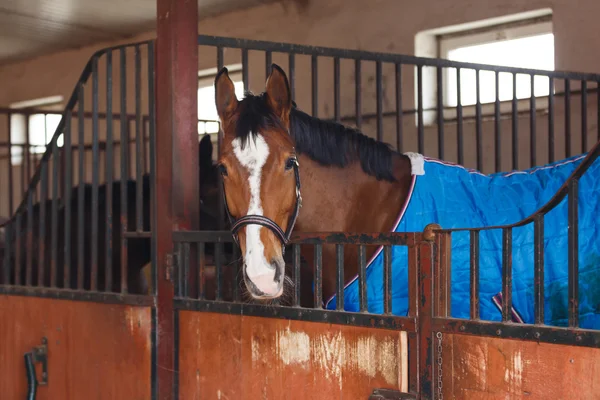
[439, 362]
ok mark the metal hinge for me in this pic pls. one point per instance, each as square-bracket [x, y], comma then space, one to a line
[170, 265]
[39, 354]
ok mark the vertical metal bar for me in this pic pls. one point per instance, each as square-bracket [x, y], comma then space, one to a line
[81, 187]
[474, 275]
[236, 273]
[497, 135]
[27, 152]
[362, 278]
[184, 278]
[379, 91]
[567, 118]
[506, 274]
[245, 80]
[339, 258]
[29, 236]
[268, 62]
[109, 165]
[584, 141]
[515, 125]
[201, 268]
[296, 262]
[315, 86]
[538, 272]
[139, 166]
[478, 134]
[54, 222]
[10, 168]
[420, 128]
[399, 122]
[573, 234]
[219, 270]
[18, 250]
[551, 119]
[336, 89]
[95, 177]
[387, 279]
[42, 221]
[221, 58]
[440, 112]
[459, 119]
[358, 93]
[7, 251]
[68, 188]
[221, 203]
[292, 72]
[124, 140]
[318, 276]
[532, 128]
[152, 159]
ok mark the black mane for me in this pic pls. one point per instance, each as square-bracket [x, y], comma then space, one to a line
[326, 142]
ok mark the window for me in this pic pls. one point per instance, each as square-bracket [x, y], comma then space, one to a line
[40, 126]
[527, 44]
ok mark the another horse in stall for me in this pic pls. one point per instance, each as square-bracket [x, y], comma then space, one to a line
[138, 249]
[349, 182]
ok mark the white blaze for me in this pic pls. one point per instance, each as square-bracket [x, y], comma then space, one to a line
[253, 157]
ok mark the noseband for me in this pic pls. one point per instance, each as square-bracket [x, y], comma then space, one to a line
[253, 219]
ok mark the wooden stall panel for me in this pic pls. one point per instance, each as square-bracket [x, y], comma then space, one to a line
[95, 351]
[240, 357]
[485, 368]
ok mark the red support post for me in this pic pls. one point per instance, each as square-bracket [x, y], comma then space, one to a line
[177, 181]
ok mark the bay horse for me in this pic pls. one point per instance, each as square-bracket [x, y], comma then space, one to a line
[285, 170]
[138, 249]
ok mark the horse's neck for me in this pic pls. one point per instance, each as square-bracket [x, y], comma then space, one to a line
[347, 199]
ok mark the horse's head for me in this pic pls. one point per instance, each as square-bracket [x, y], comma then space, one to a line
[261, 182]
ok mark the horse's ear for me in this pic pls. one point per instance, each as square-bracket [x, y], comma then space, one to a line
[278, 92]
[225, 98]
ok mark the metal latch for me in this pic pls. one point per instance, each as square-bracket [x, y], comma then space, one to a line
[39, 354]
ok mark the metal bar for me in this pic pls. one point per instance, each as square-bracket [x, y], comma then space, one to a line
[245, 80]
[478, 129]
[315, 86]
[139, 166]
[551, 120]
[573, 252]
[358, 93]
[538, 272]
[54, 222]
[299, 314]
[219, 270]
[515, 126]
[584, 111]
[440, 112]
[399, 122]
[387, 279]
[420, 127]
[221, 203]
[95, 178]
[318, 254]
[497, 133]
[11, 183]
[42, 223]
[506, 274]
[268, 62]
[68, 190]
[152, 159]
[236, 273]
[532, 128]
[474, 275]
[292, 73]
[379, 92]
[77, 295]
[339, 258]
[362, 278]
[29, 236]
[425, 336]
[459, 119]
[296, 262]
[201, 268]
[7, 254]
[184, 278]
[124, 134]
[81, 187]
[567, 118]
[18, 250]
[109, 166]
[336, 89]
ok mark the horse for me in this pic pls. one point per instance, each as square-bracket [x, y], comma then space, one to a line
[284, 170]
[138, 250]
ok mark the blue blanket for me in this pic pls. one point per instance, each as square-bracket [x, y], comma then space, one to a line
[454, 197]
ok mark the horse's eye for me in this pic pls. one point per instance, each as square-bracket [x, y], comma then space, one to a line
[222, 169]
[289, 164]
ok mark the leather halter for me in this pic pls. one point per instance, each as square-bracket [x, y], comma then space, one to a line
[253, 219]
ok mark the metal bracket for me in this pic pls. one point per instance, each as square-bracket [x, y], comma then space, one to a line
[39, 354]
[389, 394]
[170, 265]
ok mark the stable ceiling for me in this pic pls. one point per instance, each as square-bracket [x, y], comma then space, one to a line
[30, 28]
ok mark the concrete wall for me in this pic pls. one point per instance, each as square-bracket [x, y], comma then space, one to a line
[374, 25]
